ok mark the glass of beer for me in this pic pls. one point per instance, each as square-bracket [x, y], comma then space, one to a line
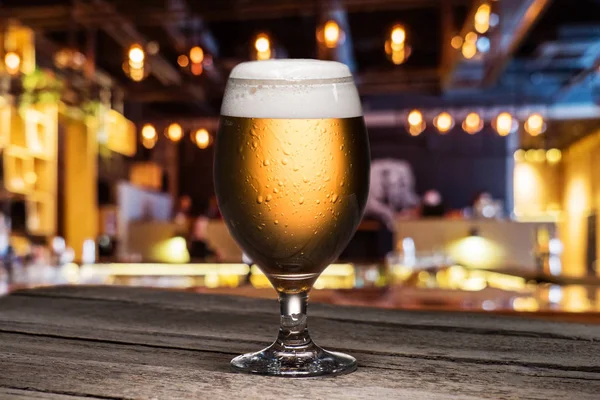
[292, 176]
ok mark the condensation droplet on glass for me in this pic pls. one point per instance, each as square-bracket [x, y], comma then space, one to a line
[318, 201]
[276, 222]
[342, 183]
[323, 130]
[259, 199]
[326, 179]
[327, 195]
[286, 152]
[275, 190]
[280, 183]
[342, 147]
[301, 201]
[334, 198]
[266, 163]
[305, 179]
[296, 168]
[284, 161]
[268, 198]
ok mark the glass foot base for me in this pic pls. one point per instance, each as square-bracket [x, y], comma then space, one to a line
[297, 362]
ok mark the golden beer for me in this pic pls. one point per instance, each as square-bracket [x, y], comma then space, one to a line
[291, 176]
[292, 191]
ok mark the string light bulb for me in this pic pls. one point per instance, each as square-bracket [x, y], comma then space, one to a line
[482, 18]
[262, 45]
[535, 124]
[443, 122]
[149, 136]
[174, 132]
[553, 156]
[331, 34]
[456, 42]
[472, 123]
[395, 47]
[416, 123]
[148, 132]
[136, 56]
[398, 36]
[196, 54]
[12, 61]
[519, 155]
[201, 138]
[504, 124]
[183, 61]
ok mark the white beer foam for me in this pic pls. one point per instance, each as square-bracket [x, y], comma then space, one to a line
[291, 89]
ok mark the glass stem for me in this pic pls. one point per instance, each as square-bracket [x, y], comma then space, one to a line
[293, 332]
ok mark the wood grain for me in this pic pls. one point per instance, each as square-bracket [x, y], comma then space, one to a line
[122, 343]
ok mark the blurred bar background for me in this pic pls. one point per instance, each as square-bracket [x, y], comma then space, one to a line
[483, 120]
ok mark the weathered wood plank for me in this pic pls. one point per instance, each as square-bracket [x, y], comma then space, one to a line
[192, 301]
[192, 326]
[128, 371]
[143, 343]
[19, 394]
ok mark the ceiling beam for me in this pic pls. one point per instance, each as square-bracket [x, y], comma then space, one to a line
[124, 32]
[58, 17]
[48, 48]
[518, 18]
[452, 58]
[201, 35]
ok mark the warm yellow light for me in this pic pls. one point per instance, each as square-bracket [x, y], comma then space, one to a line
[175, 132]
[525, 304]
[196, 54]
[535, 125]
[519, 155]
[415, 118]
[469, 50]
[475, 252]
[504, 124]
[262, 44]
[530, 155]
[148, 132]
[456, 42]
[553, 156]
[472, 123]
[539, 156]
[136, 55]
[137, 74]
[12, 61]
[471, 37]
[399, 56]
[202, 138]
[416, 124]
[197, 69]
[183, 61]
[148, 143]
[398, 35]
[443, 122]
[331, 33]
[482, 18]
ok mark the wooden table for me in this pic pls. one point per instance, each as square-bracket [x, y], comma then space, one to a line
[124, 343]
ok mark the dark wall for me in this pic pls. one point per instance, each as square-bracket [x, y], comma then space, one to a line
[457, 164]
[196, 174]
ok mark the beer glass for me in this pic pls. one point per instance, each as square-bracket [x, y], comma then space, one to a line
[291, 176]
